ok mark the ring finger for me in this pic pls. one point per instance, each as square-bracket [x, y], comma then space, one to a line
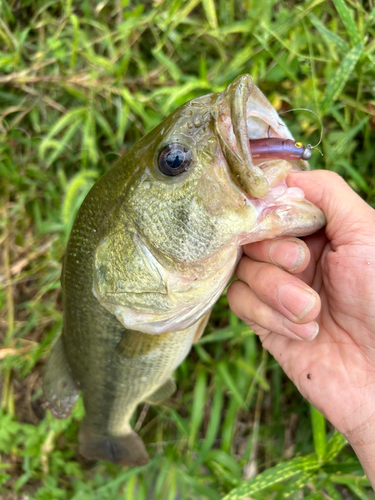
[283, 292]
[245, 304]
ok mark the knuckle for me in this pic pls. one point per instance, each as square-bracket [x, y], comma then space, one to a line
[264, 276]
[231, 294]
[327, 176]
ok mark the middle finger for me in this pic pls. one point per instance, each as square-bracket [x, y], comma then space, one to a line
[283, 292]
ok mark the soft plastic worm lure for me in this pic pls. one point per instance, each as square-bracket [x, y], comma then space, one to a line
[273, 148]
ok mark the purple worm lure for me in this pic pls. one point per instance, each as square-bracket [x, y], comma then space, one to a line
[275, 148]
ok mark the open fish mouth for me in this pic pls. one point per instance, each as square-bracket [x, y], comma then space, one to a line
[246, 114]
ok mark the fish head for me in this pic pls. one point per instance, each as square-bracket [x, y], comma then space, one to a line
[193, 197]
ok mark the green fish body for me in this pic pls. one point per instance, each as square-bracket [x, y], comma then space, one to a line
[153, 246]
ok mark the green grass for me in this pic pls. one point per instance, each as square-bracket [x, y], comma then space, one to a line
[79, 83]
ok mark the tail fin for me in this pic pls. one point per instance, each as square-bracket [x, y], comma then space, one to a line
[124, 450]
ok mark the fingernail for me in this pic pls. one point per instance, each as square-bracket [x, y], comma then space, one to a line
[305, 332]
[314, 329]
[287, 254]
[296, 299]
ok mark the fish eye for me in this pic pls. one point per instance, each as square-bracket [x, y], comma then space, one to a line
[174, 159]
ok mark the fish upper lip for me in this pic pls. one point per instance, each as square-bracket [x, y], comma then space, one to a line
[245, 174]
[246, 113]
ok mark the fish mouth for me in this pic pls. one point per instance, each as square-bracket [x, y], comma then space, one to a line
[245, 113]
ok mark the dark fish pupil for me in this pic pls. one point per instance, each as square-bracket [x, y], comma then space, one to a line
[174, 159]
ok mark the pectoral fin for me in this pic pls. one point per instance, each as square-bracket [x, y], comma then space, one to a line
[60, 389]
[163, 392]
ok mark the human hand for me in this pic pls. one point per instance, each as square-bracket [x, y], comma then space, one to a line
[325, 283]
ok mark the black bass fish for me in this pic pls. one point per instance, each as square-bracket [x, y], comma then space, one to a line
[152, 248]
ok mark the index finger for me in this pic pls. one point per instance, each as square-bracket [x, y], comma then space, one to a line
[291, 254]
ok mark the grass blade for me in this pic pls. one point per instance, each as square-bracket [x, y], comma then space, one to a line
[296, 484]
[74, 116]
[210, 11]
[334, 446]
[215, 417]
[332, 492]
[63, 143]
[318, 423]
[272, 476]
[333, 40]
[347, 19]
[356, 176]
[227, 378]
[337, 83]
[198, 406]
[341, 146]
[82, 181]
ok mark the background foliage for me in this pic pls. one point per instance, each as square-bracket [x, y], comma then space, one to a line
[80, 82]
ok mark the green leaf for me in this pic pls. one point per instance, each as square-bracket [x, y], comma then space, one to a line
[334, 446]
[369, 19]
[347, 19]
[241, 58]
[227, 378]
[342, 145]
[296, 484]
[75, 22]
[74, 116]
[215, 416]
[200, 488]
[319, 432]
[105, 126]
[227, 461]
[358, 491]
[339, 79]
[356, 176]
[62, 144]
[314, 496]
[180, 422]
[275, 475]
[198, 406]
[334, 40]
[229, 332]
[351, 480]
[182, 14]
[228, 426]
[165, 61]
[135, 105]
[89, 152]
[210, 11]
[333, 493]
[83, 180]
[183, 91]
[121, 479]
[254, 372]
[343, 467]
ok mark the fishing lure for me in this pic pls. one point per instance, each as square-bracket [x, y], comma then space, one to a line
[276, 148]
[273, 148]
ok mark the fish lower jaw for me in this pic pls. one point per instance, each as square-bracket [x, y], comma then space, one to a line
[283, 212]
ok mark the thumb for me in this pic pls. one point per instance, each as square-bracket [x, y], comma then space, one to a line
[349, 218]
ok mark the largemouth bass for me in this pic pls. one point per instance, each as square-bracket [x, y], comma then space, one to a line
[152, 248]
